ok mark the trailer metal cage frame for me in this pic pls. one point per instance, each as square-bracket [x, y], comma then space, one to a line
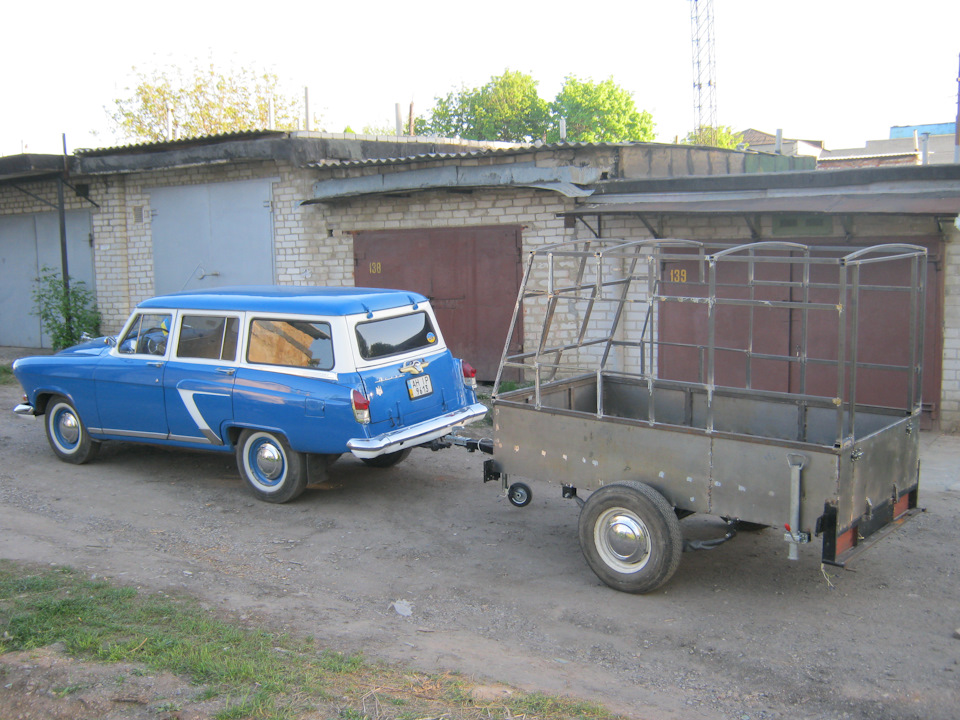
[617, 275]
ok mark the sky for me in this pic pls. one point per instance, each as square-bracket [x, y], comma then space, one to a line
[841, 71]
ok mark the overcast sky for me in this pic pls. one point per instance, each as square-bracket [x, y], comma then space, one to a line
[842, 71]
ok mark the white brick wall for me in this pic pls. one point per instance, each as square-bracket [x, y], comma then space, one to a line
[950, 388]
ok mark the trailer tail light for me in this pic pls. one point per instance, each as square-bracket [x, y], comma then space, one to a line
[469, 375]
[361, 407]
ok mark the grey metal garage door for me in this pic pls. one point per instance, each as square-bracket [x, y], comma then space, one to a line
[27, 244]
[212, 235]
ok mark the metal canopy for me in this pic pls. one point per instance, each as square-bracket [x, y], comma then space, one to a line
[914, 190]
[915, 203]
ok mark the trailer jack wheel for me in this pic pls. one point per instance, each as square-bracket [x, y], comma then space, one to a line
[519, 495]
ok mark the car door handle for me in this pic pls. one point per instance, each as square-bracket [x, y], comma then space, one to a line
[226, 371]
[155, 364]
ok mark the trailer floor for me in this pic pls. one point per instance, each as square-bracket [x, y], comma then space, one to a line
[504, 593]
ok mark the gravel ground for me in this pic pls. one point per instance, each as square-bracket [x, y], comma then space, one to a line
[504, 593]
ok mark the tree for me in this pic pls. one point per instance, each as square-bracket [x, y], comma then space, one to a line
[203, 101]
[506, 108]
[509, 108]
[721, 136]
[598, 112]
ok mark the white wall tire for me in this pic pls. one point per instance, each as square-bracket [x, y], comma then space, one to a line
[67, 434]
[271, 469]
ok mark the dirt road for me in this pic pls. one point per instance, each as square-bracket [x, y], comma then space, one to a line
[504, 593]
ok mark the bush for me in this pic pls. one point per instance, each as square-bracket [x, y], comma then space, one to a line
[65, 317]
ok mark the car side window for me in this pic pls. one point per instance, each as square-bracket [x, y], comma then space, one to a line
[294, 343]
[147, 335]
[208, 337]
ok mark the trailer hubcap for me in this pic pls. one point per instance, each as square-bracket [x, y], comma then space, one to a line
[622, 540]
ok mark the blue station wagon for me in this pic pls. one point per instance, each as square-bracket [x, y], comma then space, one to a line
[273, 374]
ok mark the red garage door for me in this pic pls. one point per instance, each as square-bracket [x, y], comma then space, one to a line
[471, 275]
[883, 336]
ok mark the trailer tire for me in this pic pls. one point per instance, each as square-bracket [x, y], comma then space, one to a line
[630, 537]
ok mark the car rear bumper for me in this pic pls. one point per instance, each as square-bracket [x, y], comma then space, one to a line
[24, 409]
[414, 435]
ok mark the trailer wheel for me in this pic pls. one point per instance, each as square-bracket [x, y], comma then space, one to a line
[519, 494]
[630, 537]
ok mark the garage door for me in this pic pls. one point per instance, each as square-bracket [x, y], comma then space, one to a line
[29, 243]
[212, 235]
[883, 340]
[471, 275]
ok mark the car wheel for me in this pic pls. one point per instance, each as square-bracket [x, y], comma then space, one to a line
[630, 536]
[67, 434]
[273, 471]
[388, 460]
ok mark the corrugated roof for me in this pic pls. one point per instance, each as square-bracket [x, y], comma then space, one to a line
[184, 142]
[485, 152]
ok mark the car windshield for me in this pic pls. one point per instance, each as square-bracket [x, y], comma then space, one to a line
[395, 335]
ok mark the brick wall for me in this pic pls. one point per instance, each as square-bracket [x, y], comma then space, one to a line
[950, 389]
[313, 243]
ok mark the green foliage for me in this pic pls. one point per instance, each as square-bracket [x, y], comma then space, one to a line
[507, 108]
[598, 112]
[65, 316]
[721, 136]
[6, 375]
[203, 100]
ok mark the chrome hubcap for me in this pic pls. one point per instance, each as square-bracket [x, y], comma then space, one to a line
[626, 538]
[269, 461]
[622, 540]
[68, 428]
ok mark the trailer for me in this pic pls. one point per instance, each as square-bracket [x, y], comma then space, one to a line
[763, 383]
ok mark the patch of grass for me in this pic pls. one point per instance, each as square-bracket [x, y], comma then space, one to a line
[254, 673]
[69, 689]
[6, 375]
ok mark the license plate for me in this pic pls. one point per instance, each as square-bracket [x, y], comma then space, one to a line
[419, 386]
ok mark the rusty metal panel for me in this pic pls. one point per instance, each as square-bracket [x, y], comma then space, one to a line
[471, 275]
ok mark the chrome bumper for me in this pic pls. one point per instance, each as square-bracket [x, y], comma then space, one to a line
[24, 409]
[414, 435]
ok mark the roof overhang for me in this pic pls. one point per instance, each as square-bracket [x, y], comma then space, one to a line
[565, 180]
[30, 167]
[925, 190]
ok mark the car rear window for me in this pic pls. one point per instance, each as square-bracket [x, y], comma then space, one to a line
[293, 343]
[395, 335]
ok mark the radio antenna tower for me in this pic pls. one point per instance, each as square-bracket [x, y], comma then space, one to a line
[704, 71]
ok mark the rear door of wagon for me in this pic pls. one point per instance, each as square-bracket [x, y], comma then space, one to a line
[408, 374]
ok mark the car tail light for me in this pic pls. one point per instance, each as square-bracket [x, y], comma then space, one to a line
[361, 407]
[469, 375]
